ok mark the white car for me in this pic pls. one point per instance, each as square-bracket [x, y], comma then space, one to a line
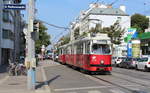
[143, 64]
[118, 60]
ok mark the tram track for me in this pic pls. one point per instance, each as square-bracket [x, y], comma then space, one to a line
[133, 74]
[120, 86]
[132, 81]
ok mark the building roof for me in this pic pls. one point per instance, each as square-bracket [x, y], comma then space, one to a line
[107, 11]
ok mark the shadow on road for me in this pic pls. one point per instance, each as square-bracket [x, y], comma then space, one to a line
[40, 84]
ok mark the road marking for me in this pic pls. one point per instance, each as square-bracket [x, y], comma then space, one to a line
[71, 92]
[116, 91]
[94, 91]
[3, 80]
[94, 87]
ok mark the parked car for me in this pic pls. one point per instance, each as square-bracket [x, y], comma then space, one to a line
[113, 60]
[143, 64]
[128, 63]
[134, 61]
[118, 60]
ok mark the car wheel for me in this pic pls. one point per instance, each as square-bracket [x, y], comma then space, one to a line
[146, 69]
[136, 67]
[127, 67]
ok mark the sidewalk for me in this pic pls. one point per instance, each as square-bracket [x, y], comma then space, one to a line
[42, 83]
[14, 84]
[18, 84]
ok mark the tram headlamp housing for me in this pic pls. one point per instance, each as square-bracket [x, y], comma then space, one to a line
[102, 61]
[94, 57]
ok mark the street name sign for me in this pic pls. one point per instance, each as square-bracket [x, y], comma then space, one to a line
[14, 6]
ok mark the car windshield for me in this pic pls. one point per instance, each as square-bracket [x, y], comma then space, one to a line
[129, 59]
[101, 49]
[143, 59]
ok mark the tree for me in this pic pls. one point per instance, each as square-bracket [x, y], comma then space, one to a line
[97, 29]
[44, 38]
[76, 33]
[140, 22]
[64, 40]
[115, 32]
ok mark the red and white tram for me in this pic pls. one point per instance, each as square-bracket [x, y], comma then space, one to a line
[88, 54]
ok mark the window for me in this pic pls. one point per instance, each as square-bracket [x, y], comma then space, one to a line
[8, 34]
[118, 19]
[6, 16]
[101, 49]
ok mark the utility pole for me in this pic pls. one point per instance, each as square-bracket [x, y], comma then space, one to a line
[30, 47]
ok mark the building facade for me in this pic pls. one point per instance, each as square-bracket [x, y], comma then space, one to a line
[10, 32]
[105, 16]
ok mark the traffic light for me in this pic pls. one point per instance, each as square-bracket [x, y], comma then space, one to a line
[36, 25]
[35, 33]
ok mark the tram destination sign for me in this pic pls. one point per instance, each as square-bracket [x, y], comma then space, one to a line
[100, 41]
[14, 6]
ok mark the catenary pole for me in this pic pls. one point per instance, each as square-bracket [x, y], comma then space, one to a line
[30, 47]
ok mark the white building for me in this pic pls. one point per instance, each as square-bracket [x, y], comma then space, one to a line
[10, 27]
[105, 15]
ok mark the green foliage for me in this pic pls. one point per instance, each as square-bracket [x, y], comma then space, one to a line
[115, 33]
[84, 34]
[97, 29]
[44, 38]
[65, 40]
[140, 22]
[76, 33]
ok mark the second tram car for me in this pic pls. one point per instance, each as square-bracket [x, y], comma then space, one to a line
[89, 54]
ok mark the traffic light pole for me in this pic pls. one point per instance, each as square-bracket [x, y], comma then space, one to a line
[30, 53]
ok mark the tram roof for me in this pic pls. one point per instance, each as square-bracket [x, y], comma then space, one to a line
[96, 37]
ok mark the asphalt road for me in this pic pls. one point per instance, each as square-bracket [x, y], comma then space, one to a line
[62, 79]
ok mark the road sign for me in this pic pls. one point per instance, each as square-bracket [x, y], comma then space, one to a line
[15, 6]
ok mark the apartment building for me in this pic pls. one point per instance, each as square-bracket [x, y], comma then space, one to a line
[11, 29]
[105, 15]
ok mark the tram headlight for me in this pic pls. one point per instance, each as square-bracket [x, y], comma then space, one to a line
[94, 57]
[102, 61]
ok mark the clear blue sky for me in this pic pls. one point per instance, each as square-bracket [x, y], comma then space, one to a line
[62, 12]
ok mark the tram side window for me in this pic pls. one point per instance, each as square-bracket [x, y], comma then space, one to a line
[68, 50]
[87, 47]
[79, 49]
[60, 51]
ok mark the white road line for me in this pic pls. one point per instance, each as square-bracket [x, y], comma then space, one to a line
[3, 80]
[94, 87]
[94, 91]
[116, 91]
[71, 92]
[81, 88]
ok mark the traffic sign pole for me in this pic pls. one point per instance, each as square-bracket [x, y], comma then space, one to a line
[30, 57]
